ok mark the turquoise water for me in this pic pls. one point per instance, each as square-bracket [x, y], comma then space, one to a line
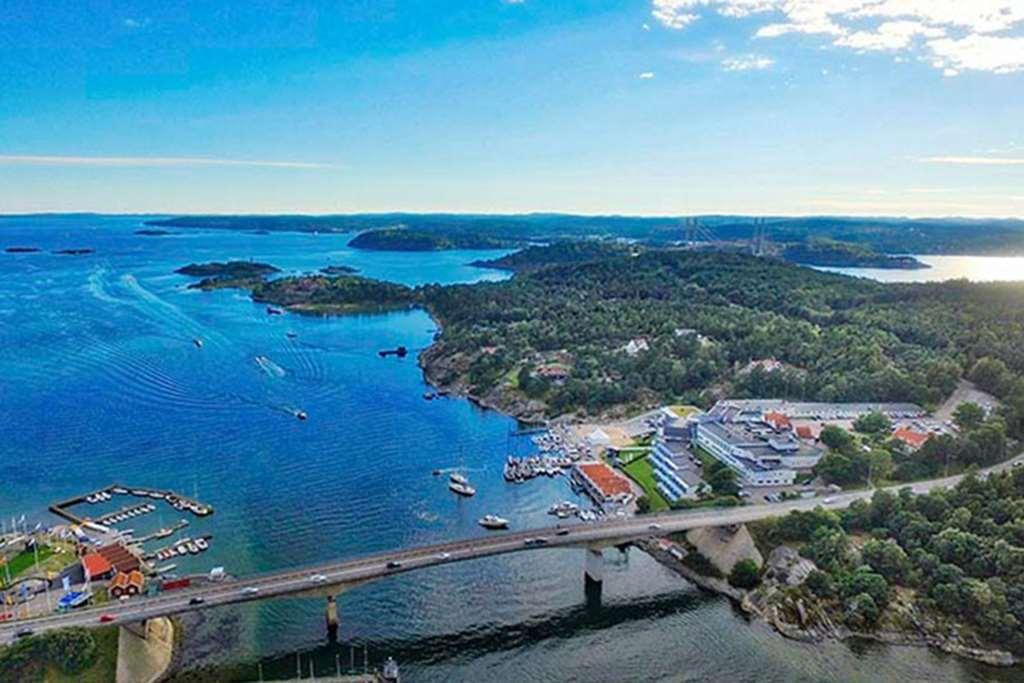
[100, 382]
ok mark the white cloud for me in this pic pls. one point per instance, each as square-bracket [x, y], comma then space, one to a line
[747, 63]
[152, 162]
[974, 161]
[674, 14]
[646, 75]
[953, 35]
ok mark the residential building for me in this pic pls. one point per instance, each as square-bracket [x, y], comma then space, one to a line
[675, 470]
[911, 438]
[636, 346]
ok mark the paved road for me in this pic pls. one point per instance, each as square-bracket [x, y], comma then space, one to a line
[350, 572]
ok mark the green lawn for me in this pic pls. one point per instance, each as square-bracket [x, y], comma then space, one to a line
[642, 473]
[23, 562]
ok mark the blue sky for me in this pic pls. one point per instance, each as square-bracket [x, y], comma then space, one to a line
[897, 107]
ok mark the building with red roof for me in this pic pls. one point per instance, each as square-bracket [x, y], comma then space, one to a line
[911, 438]
[119, 557]
[126, 584]
[96, 567]
[602, 483]
[805, 432]
[779, 421]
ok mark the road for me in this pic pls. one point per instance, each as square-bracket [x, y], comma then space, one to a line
[360, 570]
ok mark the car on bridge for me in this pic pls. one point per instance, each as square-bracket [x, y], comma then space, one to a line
[196, 601]
[318, 578]
[393, 564]
[249, 590]
[106, 618]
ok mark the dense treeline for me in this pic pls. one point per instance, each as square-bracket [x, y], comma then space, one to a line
[885, 235]
[401, 239]
[960, 552]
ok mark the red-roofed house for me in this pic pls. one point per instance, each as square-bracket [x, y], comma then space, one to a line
[911, 438]
[602, 483]
[126, 583]
[778, 421]
[96, 567]
[805, 433]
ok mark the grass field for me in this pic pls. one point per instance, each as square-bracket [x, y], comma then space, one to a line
[642, 473]
[23, 562]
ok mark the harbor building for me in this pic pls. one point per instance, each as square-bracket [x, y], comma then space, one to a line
[602, 483]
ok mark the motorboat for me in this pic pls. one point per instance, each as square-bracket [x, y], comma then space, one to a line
[461, 489]
[457, 478]
[198, 342]
[493, 522]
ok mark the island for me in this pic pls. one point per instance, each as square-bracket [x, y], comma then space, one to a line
[227, 275]
[22, 250]
[401, 239]
[338, 270]
[340, 294]
[259, 225]
[837, 254]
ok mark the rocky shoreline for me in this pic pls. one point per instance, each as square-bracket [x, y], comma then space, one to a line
[754, 605]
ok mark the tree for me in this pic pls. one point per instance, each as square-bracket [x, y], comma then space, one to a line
[887, 558]
[643, 504]
[722, 480]
[821, 584]
[968, 416]
[862, 612]
[873, 423]
[745, 574]
[991, 375]
[836, 438]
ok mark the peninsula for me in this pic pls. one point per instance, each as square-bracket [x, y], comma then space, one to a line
[401, 239]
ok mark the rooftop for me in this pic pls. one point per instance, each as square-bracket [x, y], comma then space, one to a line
[605, 478]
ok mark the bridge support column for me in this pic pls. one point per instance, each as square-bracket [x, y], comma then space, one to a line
[593, 575]
[331, 617]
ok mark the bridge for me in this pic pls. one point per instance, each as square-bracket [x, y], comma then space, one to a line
[335, 577]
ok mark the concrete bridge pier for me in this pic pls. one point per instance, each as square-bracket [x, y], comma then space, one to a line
[593, 575]
[331, 617]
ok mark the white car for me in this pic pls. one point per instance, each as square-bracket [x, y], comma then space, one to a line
[654, 527]
[829, 500]
[445, 556]
[249, 590]
[318, 578]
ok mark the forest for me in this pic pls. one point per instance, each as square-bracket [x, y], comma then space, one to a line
[957, 556]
